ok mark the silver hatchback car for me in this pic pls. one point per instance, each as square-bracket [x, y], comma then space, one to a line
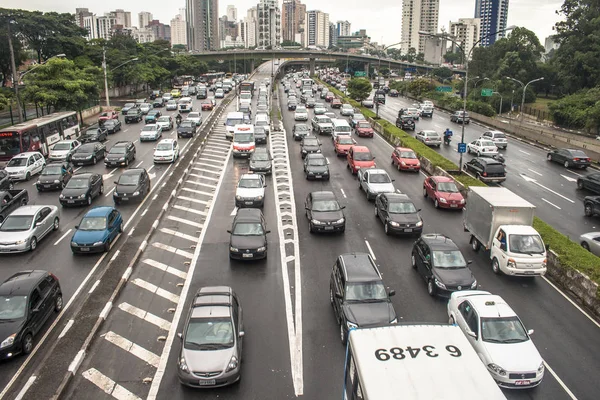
[27, 225]
[211, 342]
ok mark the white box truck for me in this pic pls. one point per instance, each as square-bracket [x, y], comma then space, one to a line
[410, 362]
[501, 222]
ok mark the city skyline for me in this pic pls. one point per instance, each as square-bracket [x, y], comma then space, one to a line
[381, 27]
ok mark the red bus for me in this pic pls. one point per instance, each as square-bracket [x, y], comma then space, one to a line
[37, 134]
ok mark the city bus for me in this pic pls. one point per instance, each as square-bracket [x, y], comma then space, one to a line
[307, 83]
[425, 361]
[37, 134]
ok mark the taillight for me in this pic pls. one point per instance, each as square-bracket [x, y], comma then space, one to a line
[485, 174]
[576, 159]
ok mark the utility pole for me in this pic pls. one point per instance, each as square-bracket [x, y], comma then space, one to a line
[105, 77]
[15, 74]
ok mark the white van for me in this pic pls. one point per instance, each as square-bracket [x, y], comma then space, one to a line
[243, 140]
[245, 98]
[340, 127]
[263, 120]
[233, 119]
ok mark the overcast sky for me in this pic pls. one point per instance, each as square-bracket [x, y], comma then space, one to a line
[381, 18]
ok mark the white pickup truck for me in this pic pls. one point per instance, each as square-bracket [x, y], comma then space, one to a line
[374, 181]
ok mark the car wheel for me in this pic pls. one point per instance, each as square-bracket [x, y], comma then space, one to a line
[33, 244]
[386, 228]
[424, 192]
[106, 247]
[549, 157]
[566, 164]
[376, 212]
[342, 333]
[62, 185]
[588, 210]
[127, 162]
[474, 244]
[413, 261]
[58, 303]
[89, 200]
[579, 184]
[585, 246]
[431, 287]
[56, 224]
[11, 185]
[27, 344]
[436, 204]
[27, 176]
[94, 160]
[478, 154]
[495, 266]
[101, 188]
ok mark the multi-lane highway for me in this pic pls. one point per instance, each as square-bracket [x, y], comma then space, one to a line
[549, 186]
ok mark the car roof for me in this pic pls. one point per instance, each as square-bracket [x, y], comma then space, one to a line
[404, 149]
[359, 267]
[122, 143]
[212, 301]
[440, 178]
[83, 175]
[251, 176]
[490, 305]
[100, 211]
[248, 215]
[166, 141]
[21, 283]
[26, 154]
[488, 161]
[398, 197]
[323, 195]
[438, 241]
[67, 140]
[28, 210]
[376, 170]
[314, 155]
[133, 171]
[360, 149]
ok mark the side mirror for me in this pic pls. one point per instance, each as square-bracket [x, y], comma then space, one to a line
[342, 207]
[373, 158]
[547, 247]
[393, 180]
[418, 210]
[224, 124]
[180, 335]
[339, 295]
[241, 334]
[391, 293]
[268, 232]
[76, 227]
[469, 262]
[307, 208]
[530, 332]
[116, 183]
[228, 230]
[472, 334]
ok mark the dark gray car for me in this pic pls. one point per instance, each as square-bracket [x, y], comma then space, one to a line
[316, 167]
[248, 235]
[324, 213]
[261, 161]
[309, 145]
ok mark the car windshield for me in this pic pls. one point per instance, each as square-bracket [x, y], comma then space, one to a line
[579, 154]
[261, 123]
[499, 136]
[447, 187]
[260, 157]
[92, 132]
[52, 170]
[132, 112]
[503, 330]
[301, 127]
[359, 117]
[150, 128]
[248, 229]
[14, 223]
[78, 183]
[310, 142]
[243, 137]
[379, 178]
[364, 125]
[129, 180]
[62, 146]
[187, 124]
[172, 103]
[317, 161]
[86, 149]
[117, 150]
[408, 154]
[93, 224]
[324, 120]
[487, 143]
[164, 146]
[250, 183]
[431, 134]
[163, 119]
[129, 105]
[234, 121]
[526, 244]
[402, 207]
[325, 205]
[448, 259]
[345, 140]
[363, 156]
[194, 115]
[12, 307]
[301, 109]
[110, 122]
[17, 162]
[209, 334]
[368, 291]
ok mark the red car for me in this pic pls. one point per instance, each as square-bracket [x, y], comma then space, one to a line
[444, 192]
[360, 157]
[364, 129]
[336, 103]
[329, 97]
[105, 116]
[405, 159]
[342, 144]
[208, 105]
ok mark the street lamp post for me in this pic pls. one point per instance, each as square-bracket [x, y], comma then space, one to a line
[106, 74]
[500, 108]
[524, 86]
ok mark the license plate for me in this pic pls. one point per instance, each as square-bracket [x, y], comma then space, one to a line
[71, 201]
[125, 198]
[84, 248]
[247, 255]
[318, 176]
[47, 186]
[248, 203]
[453, 205]
[210, 382]
[522, 382]
[529, 272]
[408, 230]
[329, 228]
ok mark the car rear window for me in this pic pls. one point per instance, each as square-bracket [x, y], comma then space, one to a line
[495, 168]
[578, 153]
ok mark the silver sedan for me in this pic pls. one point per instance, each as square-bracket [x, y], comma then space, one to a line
[591, 242]
[27, 225]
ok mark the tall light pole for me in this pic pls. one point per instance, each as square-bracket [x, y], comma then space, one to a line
[500, 108]
[106, 74]
[466, 57]
[524, 86]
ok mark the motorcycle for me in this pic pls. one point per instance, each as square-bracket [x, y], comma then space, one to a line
[498, 157]
[447, 140]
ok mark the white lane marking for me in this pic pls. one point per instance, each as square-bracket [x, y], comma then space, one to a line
[94, 286]
[210, 178]
[343, 193]
[220, 167]
[184, 221]
[535, 172]
[165, 267]
[569, 178]
[193, 200]
[197, 192]
[179, 234]
[172, 249]
[370, 250]
[145, 315]
[528, 179]
[211, 158]
[63, 236]
[234, 212]
[191, 210]
[208, 185]
[152, 166]
[560, 382]
[26, 387]
[114, 257]
[156, 290]
[108, 386]
[144, 212]
[398, 191]
[127, 345]
[130, 232]
[34, 183]
[77, 169]
[140, 163]
[162, 367]
[573, 172]
[554, 205]
[524, 152]
[572, 302]
[66, 328]
[110, 192]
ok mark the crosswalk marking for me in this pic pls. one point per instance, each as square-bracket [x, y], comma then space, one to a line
[197, 191]
[209, 185]
[145, 315]
[156, 290]
[179, 234]
[173, 250]
[190, 210]
[108, 385]
[193, 200]
[184, 221]
[165, 267]
[138, 351]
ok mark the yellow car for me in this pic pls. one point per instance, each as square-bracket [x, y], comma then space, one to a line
[176, 93]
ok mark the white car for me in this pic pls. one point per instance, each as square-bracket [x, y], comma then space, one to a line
[145, 108]
[263, 122]
[219, 94]
[23, 166]
[499, 338]
[347, 110]
[196, 117]
[63, 150]
[165, 122]
[430, 138]
[482, 147]
[301, 114]
[172, 105]
[320, 109]
[166, 151]
[150, 132]
[167, 96]
[250, 191]
[499, 138]
[413, 112]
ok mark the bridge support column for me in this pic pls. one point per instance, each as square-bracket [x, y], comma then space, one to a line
[312, 66]
[251, 65]
[367, 69]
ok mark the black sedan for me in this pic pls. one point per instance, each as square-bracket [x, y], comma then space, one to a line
[261, 161]
[88, 153]
[569, 158]
[94, 135]
[398, 214]
[590, 182]
[260, 135]
[54, 176]
[112, 125]
[186, 129]
[248, 235]
[441, 264]
[310, 145]
[316, 167]
[81, 189]
[300, 131]
[133, 185]
[324, 213]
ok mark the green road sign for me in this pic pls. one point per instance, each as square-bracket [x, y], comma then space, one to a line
[360, 73]
[443, 89]
[487, 92]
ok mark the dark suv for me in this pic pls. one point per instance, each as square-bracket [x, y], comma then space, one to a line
[405, 122]
[27, 300]
[120, 155]
[486, 169]
[358, 295]
[591, 205]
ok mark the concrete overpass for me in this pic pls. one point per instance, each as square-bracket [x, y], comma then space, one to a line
[311, 56]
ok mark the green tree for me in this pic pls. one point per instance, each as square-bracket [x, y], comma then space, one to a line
[359, 88]
[5, 64]
[289, 43]
[3, 102]
[418, 87]
[579, 110]
[411, 56]
[453, 58]
[442, 73]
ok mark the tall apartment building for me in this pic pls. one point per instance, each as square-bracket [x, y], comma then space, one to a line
[161, 31]
[493, 15]
[293, 15]
[466, 32]
[333, 35]
[250, 27]
[317, 29]
[144, 19]
[418, 15]
[343, 28]
[202, 21]
[232, 14]
[269, 24]
[178, 30]
[122, 17]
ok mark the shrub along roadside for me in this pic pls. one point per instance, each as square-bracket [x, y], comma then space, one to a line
[571, 254]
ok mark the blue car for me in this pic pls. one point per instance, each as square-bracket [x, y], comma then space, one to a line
[97, 230]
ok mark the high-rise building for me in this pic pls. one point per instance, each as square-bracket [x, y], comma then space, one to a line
[466, 32]
[343, 28]
[80, 14]
[178, 30]
[269, 24]
[202, 21]
[231, 13]
[333, 34]
[251, 27]
[493, 15]
[293, 14]
[161, 31]
[123, 18]
[144, 19]
[418, 15]
[317, 29]
[228, 33]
